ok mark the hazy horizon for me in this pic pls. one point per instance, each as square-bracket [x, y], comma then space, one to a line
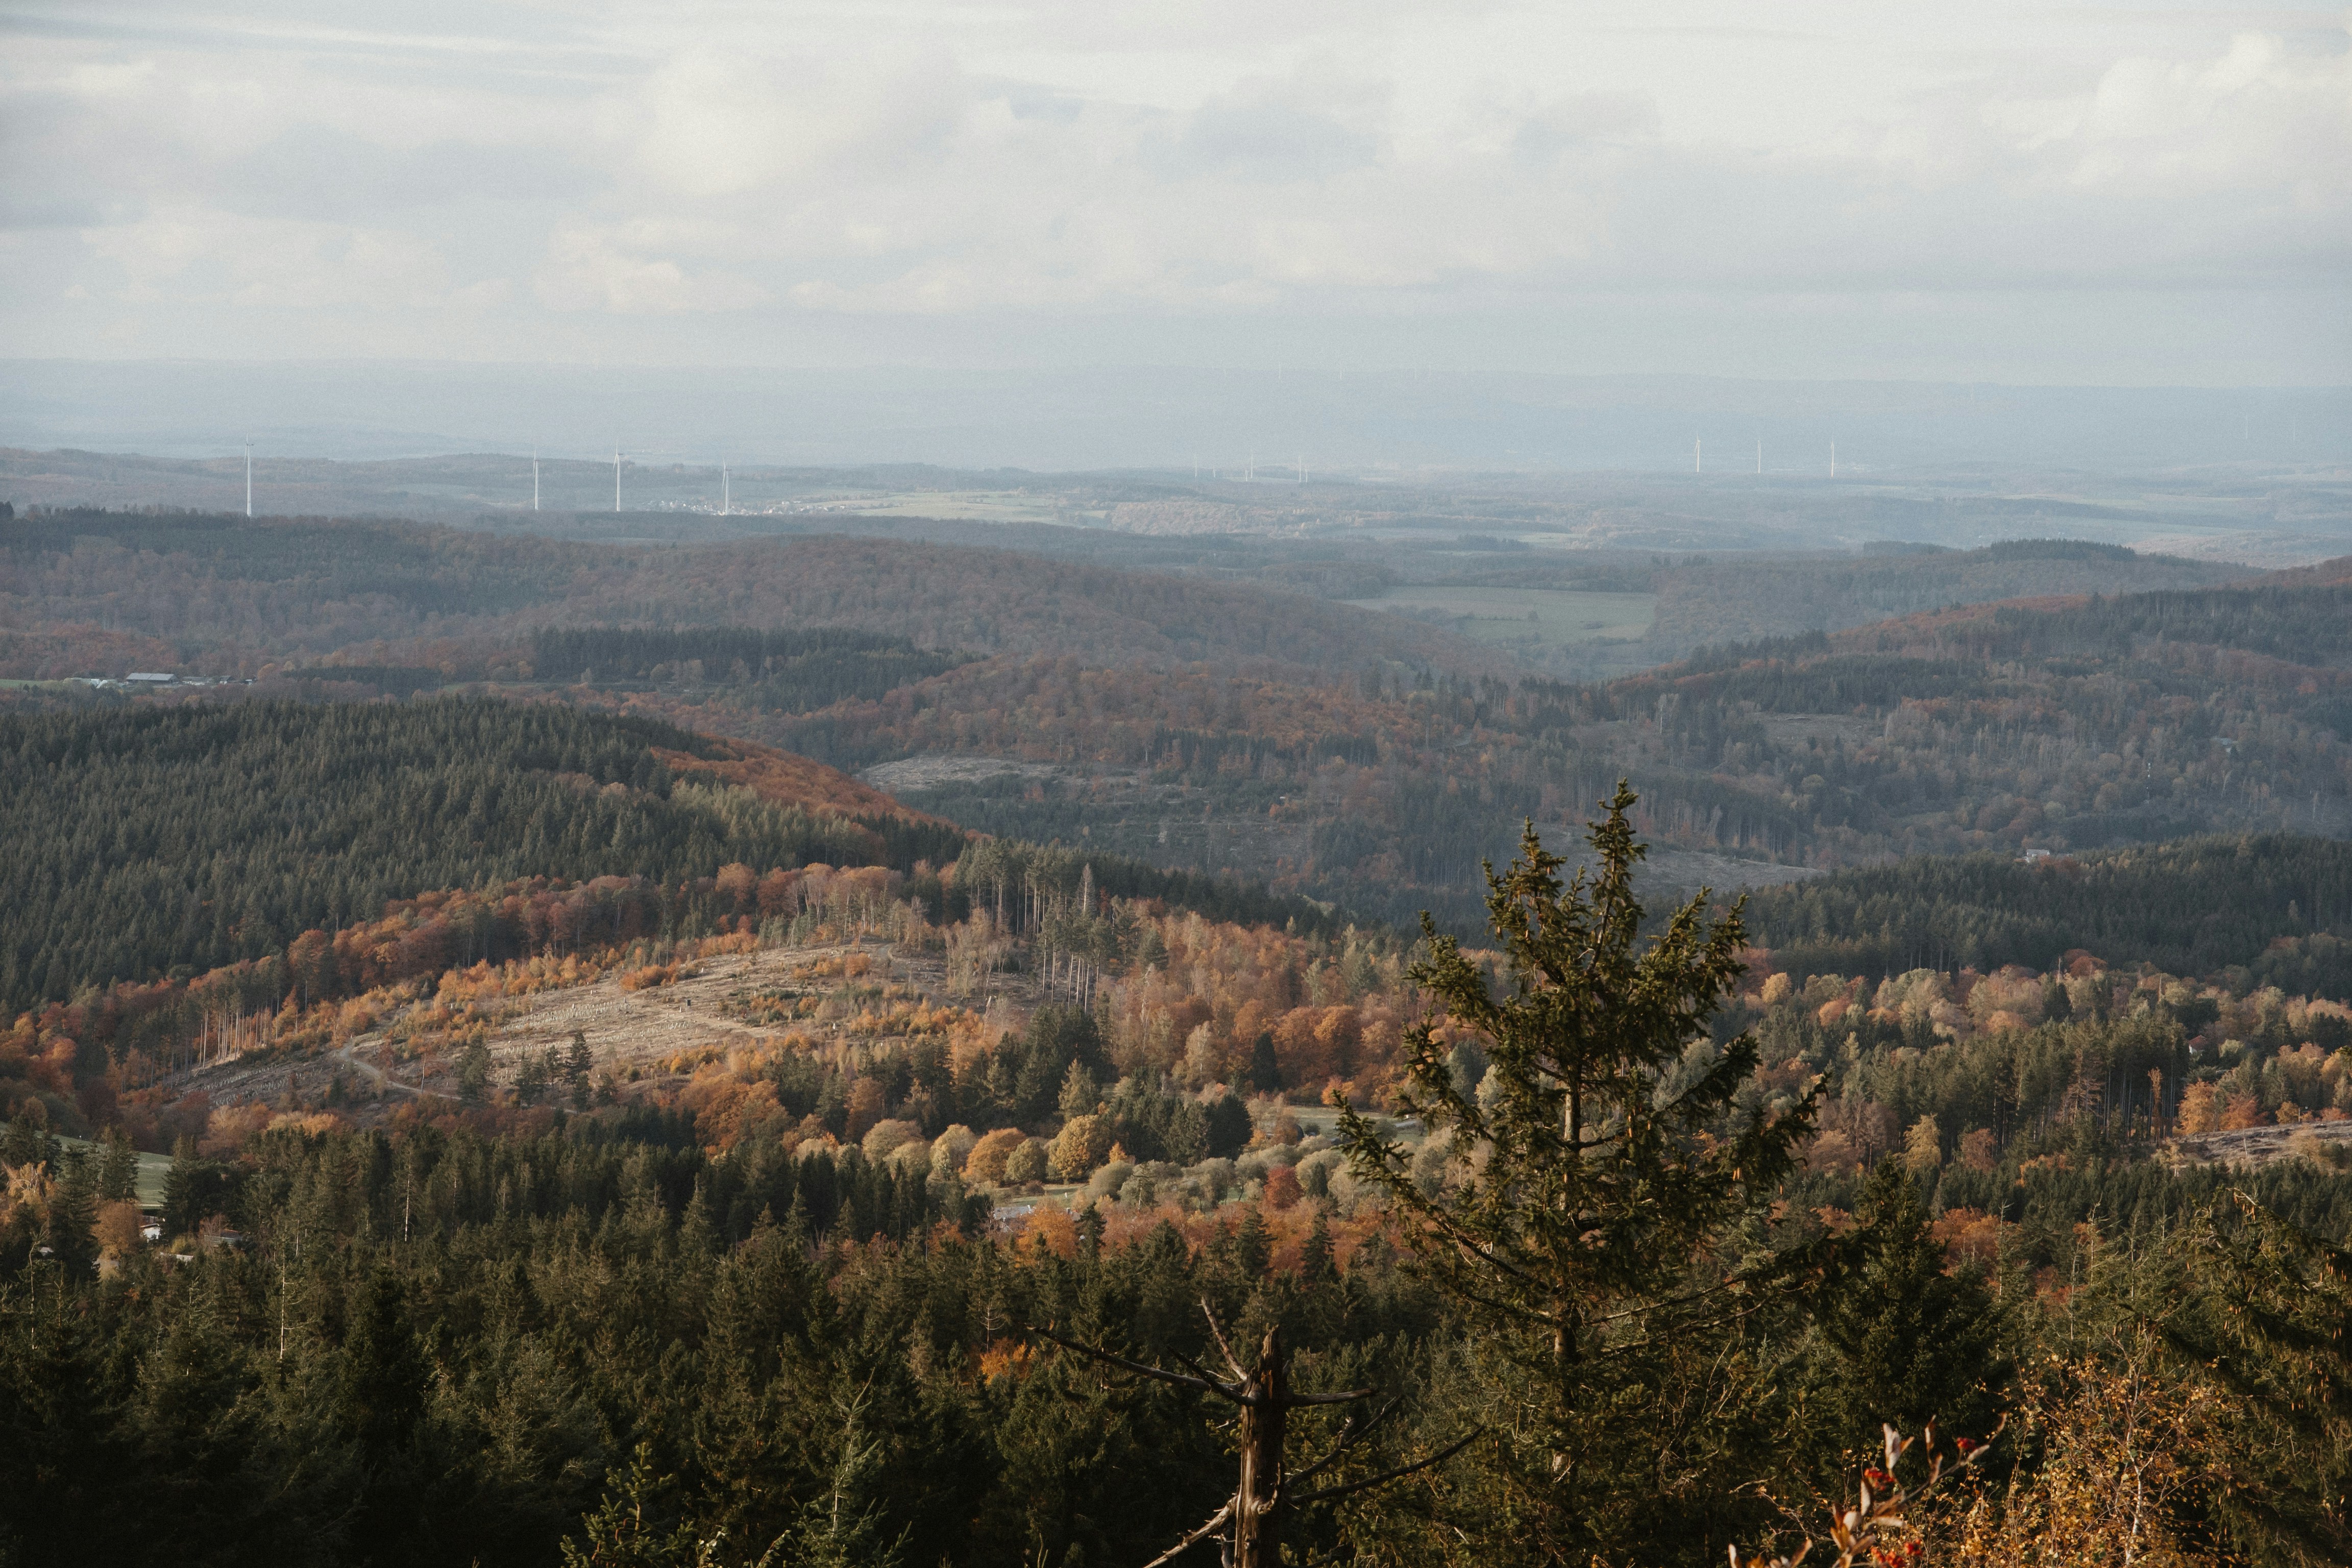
[1158, 418]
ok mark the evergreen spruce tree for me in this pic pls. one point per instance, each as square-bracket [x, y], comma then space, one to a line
[2271, 1325]
[73, 1209]
[1252, 1248]
[28, 1141]
[1080, 1091]
[634, 1526]
[1903, 1339]
[118, 1169]
[1265, 1067]
[1314, 1265]
[1586, 1221]
[579, 1061]
[384, 1373]
[474, 1073]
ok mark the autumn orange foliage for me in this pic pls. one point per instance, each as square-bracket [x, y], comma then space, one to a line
[786, 779]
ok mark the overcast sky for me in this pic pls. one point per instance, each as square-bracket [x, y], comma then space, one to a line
[2099, 194]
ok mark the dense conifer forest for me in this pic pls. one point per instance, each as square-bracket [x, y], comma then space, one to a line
[146, 841]
[806, 1305]
[2256, 905]
[780, 671]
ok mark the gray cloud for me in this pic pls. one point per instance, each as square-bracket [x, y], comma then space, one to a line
[1262, 132]
[479, 180]
[339, 177]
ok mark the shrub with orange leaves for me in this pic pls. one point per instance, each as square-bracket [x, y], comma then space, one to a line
[652, 975]
[230, 1126]
[2121, 1446]
[1004, 1358]
[1968, 1236]
[1053, 1227]
[984, 1166]
[1884, 1524]
[116, 1228]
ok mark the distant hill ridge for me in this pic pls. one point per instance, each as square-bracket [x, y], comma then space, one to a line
[295, 590]
[1721, 602]
[2276, 906]
[2289, 615]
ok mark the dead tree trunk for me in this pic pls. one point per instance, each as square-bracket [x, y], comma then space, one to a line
[1251, 1520]
[1264, 1416]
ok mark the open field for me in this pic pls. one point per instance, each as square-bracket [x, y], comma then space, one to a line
[153, 1170]
[963, 506]
[1543, 617]
[935, 769]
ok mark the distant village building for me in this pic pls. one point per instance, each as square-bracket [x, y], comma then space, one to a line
[155, 679]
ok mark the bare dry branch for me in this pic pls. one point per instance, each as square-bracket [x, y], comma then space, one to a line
[1327, 1493]
[1215, 1520]
[1141, 1369]
[1231, 1360]
[1353, 1433]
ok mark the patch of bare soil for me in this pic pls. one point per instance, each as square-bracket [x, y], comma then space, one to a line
[933, 769]
[642, 1030]
[1691, 869]
[2261, 1145]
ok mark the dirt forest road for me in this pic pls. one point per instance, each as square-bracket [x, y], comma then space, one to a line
[376, 1075]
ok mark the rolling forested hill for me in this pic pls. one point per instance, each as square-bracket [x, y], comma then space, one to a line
[1216, 727]
[1728, 601]
[150, 841]
[2064, 725]
[229, 595]
[189, 838]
